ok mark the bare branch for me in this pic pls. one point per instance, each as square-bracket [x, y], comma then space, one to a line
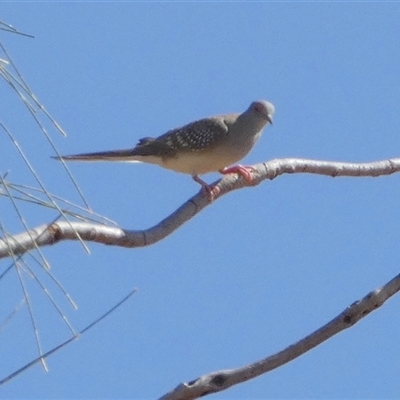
[222, 380]
[55, 232]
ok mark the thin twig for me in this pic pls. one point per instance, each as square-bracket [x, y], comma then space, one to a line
[55, 349]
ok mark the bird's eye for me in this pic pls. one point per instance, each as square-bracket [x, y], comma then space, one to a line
[258, 107]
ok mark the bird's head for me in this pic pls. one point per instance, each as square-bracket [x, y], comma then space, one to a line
[262, 109]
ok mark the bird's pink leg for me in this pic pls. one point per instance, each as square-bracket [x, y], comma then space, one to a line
[242, 170]
[212, 191]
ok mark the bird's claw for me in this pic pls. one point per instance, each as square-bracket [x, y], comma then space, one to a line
[243, 170]
[211, 191]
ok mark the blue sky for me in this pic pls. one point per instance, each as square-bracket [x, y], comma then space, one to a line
[260, 268]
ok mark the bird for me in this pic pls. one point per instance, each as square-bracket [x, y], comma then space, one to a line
[207, 145]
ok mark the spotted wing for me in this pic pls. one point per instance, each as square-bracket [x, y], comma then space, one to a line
[196, 136]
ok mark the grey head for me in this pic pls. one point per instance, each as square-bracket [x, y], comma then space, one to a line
[261, 110]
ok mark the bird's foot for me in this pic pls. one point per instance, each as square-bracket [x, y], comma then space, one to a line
[243, 170]
[212, 191]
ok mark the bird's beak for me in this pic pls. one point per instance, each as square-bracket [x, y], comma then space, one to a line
[269, 119]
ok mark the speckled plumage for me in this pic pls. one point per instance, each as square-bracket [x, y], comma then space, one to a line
[207, 145]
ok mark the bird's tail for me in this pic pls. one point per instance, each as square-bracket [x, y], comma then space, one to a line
[116, 155]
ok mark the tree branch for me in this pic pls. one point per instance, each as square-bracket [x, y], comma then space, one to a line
[222, 380]
[55, 232]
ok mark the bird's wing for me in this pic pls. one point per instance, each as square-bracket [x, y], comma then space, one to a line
[198, 135]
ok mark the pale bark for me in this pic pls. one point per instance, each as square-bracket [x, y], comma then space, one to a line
[94, 232]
